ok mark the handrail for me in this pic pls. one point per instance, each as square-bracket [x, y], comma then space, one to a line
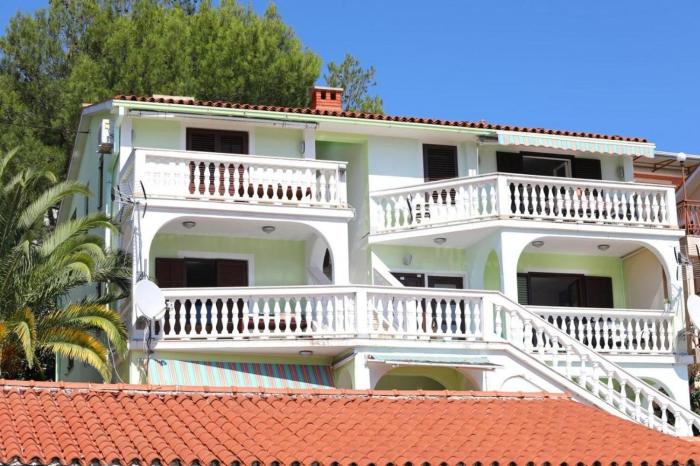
[416, 313]
[592, 371]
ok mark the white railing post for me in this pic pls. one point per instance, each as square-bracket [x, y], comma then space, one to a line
[487, 309]
[671, 214]
[361, 312]
[503, 196]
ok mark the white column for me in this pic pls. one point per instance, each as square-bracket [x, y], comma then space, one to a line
[509, 249]
[336, 235]
[361, 379]
[309, 143]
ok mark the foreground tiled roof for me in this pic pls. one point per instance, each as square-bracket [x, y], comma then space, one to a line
[372, 116]
[78, 423]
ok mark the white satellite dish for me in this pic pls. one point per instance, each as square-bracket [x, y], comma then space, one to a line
[149, 298]
[694, 310]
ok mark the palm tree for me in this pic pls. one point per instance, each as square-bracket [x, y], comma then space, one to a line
[40, 264]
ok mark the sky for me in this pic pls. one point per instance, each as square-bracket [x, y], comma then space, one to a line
[616, 67]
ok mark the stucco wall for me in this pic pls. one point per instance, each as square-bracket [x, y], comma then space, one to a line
[275, 262]
[423, 260]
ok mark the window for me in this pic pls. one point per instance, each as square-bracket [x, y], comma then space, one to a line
[194, 273]
[439, 162]
[431, 281]
[564, 290]
[531, 163]
[210, 140]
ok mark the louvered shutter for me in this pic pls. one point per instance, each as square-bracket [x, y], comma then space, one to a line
[201, 141]
[170, 273]
[523, 290]
[439, 162]
[508, 162]
[587, 168]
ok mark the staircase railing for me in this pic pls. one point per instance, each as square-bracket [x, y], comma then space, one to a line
[590, 370]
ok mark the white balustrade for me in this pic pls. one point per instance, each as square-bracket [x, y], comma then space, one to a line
[307, 312]
[244, 313]
[236, 178]
[621, 331]
[592, 371]
[523, 196]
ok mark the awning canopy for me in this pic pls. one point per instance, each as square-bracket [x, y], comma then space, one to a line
[603, 146]
[474, 362]
[238, 374]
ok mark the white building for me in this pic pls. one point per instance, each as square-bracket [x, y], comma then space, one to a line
[313, 247]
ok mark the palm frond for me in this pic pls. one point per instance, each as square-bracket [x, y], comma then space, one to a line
[77, 344]
[34, 213]
[23, 326]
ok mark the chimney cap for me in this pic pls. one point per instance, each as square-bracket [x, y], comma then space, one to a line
[326, 88]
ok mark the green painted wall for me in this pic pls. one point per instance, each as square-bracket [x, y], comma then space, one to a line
[161, 134]
[276, 262]
[448, 260]
[278, 142]
[600, 266]
[424, 378]
[492, 273]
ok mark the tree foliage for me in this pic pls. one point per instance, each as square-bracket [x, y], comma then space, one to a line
[79, 51]
[356, 81]
[39, 265]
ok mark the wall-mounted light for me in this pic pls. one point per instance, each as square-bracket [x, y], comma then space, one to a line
[306, 353]
[538, 243]
[439, 240]
[189, 224]
[603, 247]
[407, 259]
[268, 229]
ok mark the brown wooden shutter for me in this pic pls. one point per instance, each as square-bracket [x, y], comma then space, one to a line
[435, 281]
[210, 140]
[439, 162]
[170, 273]
[508, 162]
[598, 292]
[231, 273]
[587, 168]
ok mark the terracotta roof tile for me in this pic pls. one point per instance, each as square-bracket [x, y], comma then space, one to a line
[372, 116]
[58, 422]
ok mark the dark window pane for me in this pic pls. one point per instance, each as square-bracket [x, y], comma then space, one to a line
[546, 166]
[410, 279]
[555, 290]
[439, 162]
[200, 273]
[445, 282]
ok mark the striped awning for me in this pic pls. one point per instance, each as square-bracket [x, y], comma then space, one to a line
[238, 374]
[603, 146]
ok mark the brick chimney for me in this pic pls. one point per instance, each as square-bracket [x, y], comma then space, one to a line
[327, 98]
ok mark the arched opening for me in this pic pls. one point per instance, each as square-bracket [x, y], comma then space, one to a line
[424, 378]
[492, 272]
[591, 273]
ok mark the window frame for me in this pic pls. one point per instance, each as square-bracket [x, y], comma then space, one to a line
[455, 157]
[217, 141]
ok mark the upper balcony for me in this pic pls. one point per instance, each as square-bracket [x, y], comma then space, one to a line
[235, 180]
[522, 197]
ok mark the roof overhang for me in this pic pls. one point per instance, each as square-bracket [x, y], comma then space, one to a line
[577, 143]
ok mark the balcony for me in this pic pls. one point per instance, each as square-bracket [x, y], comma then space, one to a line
[231, 178]
[614, 331]
[332, 312]
[689, 217]
[506, 196]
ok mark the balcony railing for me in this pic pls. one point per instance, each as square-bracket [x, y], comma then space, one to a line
[689, 216]
[318, 312]
[245, 315]
[621, 331]
[522, 197]
[220, 177]
[404, 313]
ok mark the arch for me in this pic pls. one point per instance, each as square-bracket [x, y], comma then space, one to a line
[424, 378]
[320, 232]
[492, 271]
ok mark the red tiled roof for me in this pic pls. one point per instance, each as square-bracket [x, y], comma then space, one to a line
[372, 116]
[49, 422]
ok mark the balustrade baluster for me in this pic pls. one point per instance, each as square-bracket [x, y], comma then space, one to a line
[276, 316]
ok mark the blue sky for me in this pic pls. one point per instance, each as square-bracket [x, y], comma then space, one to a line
[623, 67]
